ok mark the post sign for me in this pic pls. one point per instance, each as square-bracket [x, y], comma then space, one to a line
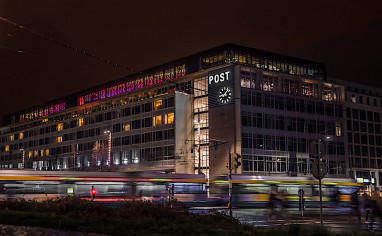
[219, 77]
[221, 87]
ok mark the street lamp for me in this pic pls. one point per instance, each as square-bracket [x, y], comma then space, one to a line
[23, 151]
[198, 122]
[108, 146]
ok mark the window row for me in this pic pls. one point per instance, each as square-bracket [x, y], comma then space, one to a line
[260, 120]
[298, 87]
[168, 134]
[363, 127]
[290, 104]
[369, 101]
[263, 62]
[126, 126]
[361, 115]
[273, 164]
[365, 151]
[144, 138]
[360, 138]
[138, 109]
[358, 162]
[281, 143]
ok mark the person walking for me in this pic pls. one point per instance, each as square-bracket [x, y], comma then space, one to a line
[354, 203]
[271, 203]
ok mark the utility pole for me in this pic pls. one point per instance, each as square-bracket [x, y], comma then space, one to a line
[319, 183]
[198, 121]
[23, 155]
[319, 169]
[230, 182]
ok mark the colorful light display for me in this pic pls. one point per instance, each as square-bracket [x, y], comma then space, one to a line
[147, 80]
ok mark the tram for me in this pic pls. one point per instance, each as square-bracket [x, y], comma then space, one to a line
[110, 187]
[254, 191]
[190, 190]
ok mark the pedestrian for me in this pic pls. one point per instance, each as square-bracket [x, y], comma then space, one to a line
[368, 207]
[272, 202]
[284, 202]
[354, 203]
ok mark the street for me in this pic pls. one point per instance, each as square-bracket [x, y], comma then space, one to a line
[336, 219]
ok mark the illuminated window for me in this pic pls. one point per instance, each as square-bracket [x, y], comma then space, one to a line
[126, 127]
[30, 154]
[158, 105]
[157, 120]
[7, 148]
[353, 99]
[80, 122]
[42, 152]
[35, 153]
[12, 137]
[46, 152]
[169, 119]
[59, 139]
[60, 127]
[21, 135]
[338, 130]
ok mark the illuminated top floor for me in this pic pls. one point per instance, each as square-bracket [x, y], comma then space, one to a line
[224, 54]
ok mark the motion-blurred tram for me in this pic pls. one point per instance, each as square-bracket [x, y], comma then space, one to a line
[191, 190]
[110, 187]
[254, 191]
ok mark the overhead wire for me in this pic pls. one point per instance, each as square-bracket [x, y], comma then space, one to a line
[66, 45]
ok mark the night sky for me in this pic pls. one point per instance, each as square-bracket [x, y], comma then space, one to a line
[345, 35]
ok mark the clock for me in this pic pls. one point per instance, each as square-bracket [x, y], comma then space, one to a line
[225, 95]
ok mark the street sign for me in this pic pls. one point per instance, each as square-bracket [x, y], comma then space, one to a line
[319, 170]
[317, 149]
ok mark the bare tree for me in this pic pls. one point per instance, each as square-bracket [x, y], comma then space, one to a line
[99, 151]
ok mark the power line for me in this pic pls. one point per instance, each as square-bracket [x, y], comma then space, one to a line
[65, 45]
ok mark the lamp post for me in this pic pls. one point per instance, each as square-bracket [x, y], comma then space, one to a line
[198, 121]
[23, 164]
[318, 161]
[108, 146]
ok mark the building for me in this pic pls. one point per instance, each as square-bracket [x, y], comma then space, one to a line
[186, 116]
[363, 107]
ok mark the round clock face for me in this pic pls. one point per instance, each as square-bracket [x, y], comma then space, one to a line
[225, 95]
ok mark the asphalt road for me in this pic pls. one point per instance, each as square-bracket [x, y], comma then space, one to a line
[336, 219]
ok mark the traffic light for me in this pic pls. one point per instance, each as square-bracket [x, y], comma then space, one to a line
[93, 193]
[235, 160]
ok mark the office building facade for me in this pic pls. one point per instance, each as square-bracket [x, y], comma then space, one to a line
[363, 107]
[186, 116]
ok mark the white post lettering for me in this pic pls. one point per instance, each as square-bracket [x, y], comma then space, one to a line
[227, 73]
[210, 78]
[222, 77]
[216, 79]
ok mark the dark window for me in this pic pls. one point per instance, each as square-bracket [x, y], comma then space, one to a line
[147, 137]
[171, 133]
[170, 102]
[116, 142]
[148, 107]
[136, 124]
[126, 111]
[108, 116]
[147, 122]
[376, 117]
[157, 136]
[116, 128]
[126, 140]
[136, 110]
[135, 139]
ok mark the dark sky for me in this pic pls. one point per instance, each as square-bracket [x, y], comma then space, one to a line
[345, 35]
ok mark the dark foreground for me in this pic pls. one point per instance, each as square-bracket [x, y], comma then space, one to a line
[134, 218]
